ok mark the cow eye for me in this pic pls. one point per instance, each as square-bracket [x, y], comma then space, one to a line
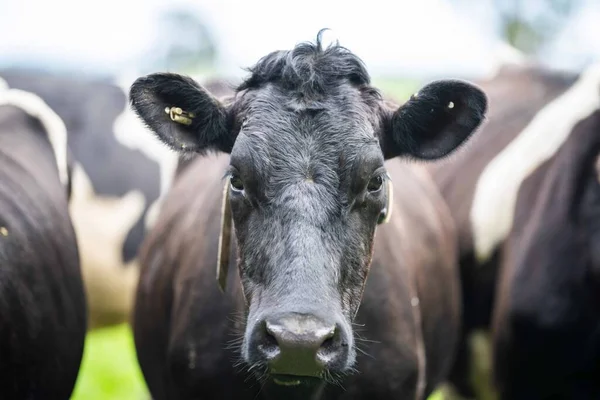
[236, 183]
[375, 184]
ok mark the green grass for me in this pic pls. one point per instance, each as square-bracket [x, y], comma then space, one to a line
[109, 370]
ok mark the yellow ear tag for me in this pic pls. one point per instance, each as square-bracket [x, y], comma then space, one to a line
[178, 115]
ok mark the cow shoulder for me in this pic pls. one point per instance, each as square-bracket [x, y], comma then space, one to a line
[421, 234]
[415, 268]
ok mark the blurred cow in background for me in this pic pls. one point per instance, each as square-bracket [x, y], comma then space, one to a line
[526, 200]
[119, 174]
[42, 298]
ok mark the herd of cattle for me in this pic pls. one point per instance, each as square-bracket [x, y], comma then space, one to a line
[272, 241]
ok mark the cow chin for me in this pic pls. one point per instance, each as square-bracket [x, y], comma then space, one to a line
[298, 348]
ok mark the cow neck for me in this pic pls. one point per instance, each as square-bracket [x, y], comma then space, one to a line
[420, 345]
[415, 303]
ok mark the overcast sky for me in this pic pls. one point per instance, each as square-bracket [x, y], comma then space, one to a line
[403, 36]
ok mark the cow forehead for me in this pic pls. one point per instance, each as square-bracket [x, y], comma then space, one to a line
[324, 158]
[281, 127]
[497, 188]
[309, 132]
[340, 104]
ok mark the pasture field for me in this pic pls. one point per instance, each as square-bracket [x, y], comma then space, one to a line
[110, 371]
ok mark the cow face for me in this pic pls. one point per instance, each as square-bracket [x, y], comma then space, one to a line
[308, 137]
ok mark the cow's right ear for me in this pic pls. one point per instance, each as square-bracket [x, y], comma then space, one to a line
[183, 114]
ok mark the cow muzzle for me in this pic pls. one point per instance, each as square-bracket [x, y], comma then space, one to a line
[298, 345]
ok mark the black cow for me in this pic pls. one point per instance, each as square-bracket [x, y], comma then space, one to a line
[306, 184]
[42, 300]
[525, 198]
[119, 175]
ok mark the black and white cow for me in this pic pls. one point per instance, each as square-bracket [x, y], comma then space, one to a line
[526, 200]
[119, 175]
[42, 298]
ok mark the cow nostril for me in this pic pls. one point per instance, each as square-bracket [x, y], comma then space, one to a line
[330, 348]
[269, 339]
[327, 343]
[267, 343]
[300, 344]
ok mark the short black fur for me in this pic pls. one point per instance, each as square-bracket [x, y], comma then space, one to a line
[437, 120]
[309, 69]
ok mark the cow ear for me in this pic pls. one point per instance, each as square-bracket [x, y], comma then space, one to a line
[183, 114]
[434, 121]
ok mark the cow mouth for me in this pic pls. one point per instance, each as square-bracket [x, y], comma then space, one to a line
[294, 380]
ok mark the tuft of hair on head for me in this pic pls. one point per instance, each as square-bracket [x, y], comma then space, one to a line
[308, 68]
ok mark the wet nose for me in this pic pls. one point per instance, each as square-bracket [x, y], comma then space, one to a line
[299, 344]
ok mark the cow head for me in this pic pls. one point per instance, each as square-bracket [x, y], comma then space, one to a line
[308, 136]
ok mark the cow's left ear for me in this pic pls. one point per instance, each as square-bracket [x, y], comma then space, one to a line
[434, 121]
[182, 114]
